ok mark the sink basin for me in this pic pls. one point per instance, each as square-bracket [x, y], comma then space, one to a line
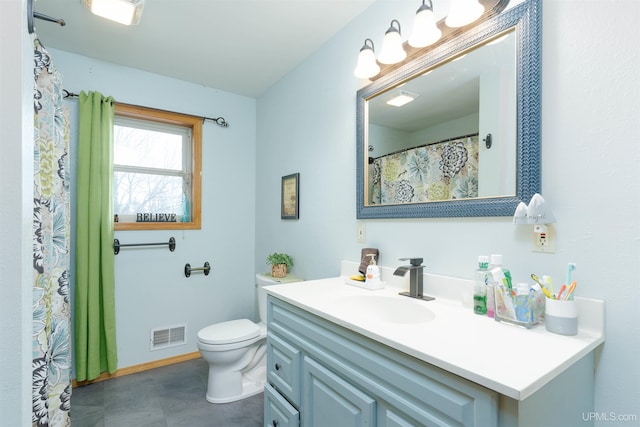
[382, 308]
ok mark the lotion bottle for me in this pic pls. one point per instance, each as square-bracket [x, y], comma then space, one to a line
[373, 271]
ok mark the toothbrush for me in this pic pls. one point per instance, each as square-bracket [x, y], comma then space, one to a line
[570, 267]
[570, 291]
[547, 281]
[562, 288]
[542, 286]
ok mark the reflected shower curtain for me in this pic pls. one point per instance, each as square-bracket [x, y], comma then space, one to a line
[51, 382]
[94, 298]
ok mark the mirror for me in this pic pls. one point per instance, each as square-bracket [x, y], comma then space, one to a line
[469, 143]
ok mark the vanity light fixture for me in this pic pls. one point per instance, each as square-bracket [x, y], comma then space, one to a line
[463, 12]
[392, 51]
[367, 66]
[425, 30]
[127, 12]
[425, 33]
[403, 97]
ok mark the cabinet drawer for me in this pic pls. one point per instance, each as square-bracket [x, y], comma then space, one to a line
[283, 367]
[277, 411]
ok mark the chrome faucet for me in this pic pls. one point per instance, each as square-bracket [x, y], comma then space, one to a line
[415, 278]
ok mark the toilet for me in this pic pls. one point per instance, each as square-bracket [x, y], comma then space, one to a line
[235, 351]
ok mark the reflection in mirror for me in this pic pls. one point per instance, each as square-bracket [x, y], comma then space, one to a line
[468, 142]
[434, 146]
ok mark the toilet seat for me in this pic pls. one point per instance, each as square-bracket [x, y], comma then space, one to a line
[232, 331]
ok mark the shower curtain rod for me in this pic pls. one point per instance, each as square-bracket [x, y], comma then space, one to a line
[424, 145]
[32, 14]
[220, 121]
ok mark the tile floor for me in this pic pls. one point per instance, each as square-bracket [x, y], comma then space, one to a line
[170, 396]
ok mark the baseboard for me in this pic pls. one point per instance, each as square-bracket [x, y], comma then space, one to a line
[139, 368]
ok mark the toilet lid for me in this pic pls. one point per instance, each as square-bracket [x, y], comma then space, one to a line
[229, 332]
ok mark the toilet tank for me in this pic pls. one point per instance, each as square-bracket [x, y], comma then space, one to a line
[265, 279]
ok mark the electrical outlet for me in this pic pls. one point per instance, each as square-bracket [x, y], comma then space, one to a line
[544, 239]
[362, 234]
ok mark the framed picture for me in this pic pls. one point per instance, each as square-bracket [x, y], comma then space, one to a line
[290, 196]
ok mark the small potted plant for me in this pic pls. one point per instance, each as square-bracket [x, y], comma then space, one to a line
[280, 264]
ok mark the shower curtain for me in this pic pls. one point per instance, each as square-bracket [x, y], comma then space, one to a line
[51, 382]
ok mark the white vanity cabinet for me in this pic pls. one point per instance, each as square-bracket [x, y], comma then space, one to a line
[328, 375]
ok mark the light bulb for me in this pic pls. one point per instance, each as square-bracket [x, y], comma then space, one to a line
[463, 12]
[425, 30]
[392, 50]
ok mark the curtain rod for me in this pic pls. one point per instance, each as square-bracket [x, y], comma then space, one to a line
[371, 159]
[220, 121]
[33, 14]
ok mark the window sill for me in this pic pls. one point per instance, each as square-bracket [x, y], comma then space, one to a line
[123, 226]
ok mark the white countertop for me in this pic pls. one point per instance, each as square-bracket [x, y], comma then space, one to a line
[513, 361]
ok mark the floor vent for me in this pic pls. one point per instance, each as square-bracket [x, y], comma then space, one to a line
[168, 337]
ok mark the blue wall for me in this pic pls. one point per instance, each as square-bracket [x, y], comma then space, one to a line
[151, 289]
[590, 175]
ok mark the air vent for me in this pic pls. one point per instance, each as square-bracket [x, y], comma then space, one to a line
[168, 337]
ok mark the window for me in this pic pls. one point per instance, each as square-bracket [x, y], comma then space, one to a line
[156, 169]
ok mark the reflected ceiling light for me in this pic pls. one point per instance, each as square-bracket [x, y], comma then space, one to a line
[125, 12]
[463, 12]
[403, 97]
[366, 66]
[392, 51]
[425, 30]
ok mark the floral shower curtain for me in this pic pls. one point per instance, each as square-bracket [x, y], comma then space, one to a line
[51, 383]
[445, 170]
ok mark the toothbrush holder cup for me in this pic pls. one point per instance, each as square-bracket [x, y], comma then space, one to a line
[561, 317]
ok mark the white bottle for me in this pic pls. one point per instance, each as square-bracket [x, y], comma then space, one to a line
[373, 272]
[480, 286]
[496, 261]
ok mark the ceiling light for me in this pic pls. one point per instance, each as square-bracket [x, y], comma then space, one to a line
[126, 12]
[404, 97]
[367, 66]
[425, 31]
[463, 12]
[392, 50]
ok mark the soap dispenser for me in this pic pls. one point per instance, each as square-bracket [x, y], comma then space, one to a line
[373, 272]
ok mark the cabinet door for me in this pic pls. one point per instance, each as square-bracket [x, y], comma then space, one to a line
[277, 411]
[329, 400]
[283, 367]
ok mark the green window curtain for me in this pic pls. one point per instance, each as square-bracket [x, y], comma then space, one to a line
[94, 303]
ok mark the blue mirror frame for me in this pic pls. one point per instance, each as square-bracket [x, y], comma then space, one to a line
[526, 19]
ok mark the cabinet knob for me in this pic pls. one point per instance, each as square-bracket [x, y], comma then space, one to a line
[277, 368]
[274, 423]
